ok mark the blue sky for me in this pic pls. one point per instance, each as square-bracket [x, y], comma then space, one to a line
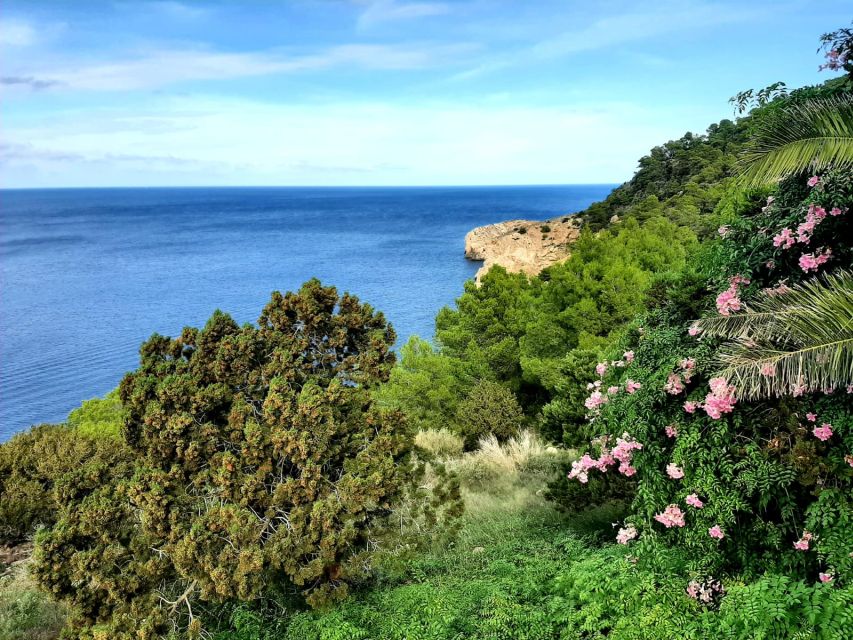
[378, 92]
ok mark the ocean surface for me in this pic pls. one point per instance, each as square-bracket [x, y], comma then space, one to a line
[87, 274]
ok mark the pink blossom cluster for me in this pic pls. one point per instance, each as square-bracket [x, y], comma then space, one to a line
[724, 230]
[716, 532]
[631, 386]
[835, 60]
[708, 592]
[595, 400]
[803, 543]
[778, 290]
[690, 406]
[674, 471]
[823, 432]
[721, 399]
[813, 181]
[849, 460]
[628, 356]
[694, 501]
[729, 299]
[675, 382]
[825, 577]
[768, 369]
[812, 261]
[784, 239]
[811, 417]
[694, 330]
[626, 534]
[601, 369]
[672, 516]
[671, 431]
[623, 453]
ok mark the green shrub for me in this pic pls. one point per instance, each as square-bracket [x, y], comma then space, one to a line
[489, 408]
[98, 416]
[36, 467]
[545, 228]
[261, 464]
[25, 612]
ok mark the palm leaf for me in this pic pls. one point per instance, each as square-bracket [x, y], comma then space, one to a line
[804, 336]
[811, 136]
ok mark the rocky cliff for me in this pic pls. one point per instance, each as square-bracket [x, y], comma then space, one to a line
[521, 245]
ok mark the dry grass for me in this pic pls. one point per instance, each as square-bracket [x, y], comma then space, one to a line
[440, 442]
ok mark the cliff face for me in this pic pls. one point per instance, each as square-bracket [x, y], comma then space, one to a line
[521, 245]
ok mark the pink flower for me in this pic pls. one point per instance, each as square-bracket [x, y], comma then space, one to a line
[716, 532]
[629, 356]
[803, 543]
[694, 330]
[672, 516]
[671, 431]
[728, 301]
[612, 390]
[768, 370]
[849, 460]
[823, 432]
[721, 399]
[784, 239]
[626, 534]
[690, 406]
[835, 211]
[724, 230]
[601, 368]
[694, 501]
[631, 386]
[813, 181]
[673, 384]
[811, 261]
[825, 577]
[674, 472]
[811, 417]
[687, 364]
[595, 400]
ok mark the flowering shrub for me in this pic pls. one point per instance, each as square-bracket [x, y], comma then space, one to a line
[740, 486]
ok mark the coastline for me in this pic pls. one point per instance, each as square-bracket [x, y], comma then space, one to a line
[526, 246]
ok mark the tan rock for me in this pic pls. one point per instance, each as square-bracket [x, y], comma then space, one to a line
[526, 246]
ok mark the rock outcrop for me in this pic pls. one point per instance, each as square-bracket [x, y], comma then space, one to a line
[521, 245]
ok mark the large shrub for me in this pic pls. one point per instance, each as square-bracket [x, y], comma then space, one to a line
[262, 465]
[740, 486]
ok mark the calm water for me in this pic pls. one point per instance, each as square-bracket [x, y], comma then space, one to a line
[87, 274]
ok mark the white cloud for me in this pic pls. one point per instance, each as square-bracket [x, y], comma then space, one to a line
[198, 141]
[381, 11]
[170, 66]
[16, 33]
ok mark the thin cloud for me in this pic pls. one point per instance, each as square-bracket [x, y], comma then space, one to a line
[28, 81]
[381, 11]
[166, 67]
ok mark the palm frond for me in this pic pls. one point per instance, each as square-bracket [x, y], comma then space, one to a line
[814, 136]
[797, 341]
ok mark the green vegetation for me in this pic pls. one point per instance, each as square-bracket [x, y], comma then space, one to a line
[652, 439]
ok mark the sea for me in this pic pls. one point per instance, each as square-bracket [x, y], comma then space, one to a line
[86, 275]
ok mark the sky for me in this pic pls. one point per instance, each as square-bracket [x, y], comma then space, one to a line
[379, 92]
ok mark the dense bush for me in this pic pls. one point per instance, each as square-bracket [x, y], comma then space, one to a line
[98, 416]
[739, 486]
[489, 408]
[36, 468]
[261, 464]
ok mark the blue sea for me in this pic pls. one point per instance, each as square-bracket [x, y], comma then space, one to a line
[87, 274]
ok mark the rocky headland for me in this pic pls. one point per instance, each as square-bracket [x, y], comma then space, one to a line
[527, 246]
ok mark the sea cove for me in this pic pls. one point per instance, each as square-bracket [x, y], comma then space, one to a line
[88, 274]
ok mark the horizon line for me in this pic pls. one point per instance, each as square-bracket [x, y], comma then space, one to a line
[330, 186]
